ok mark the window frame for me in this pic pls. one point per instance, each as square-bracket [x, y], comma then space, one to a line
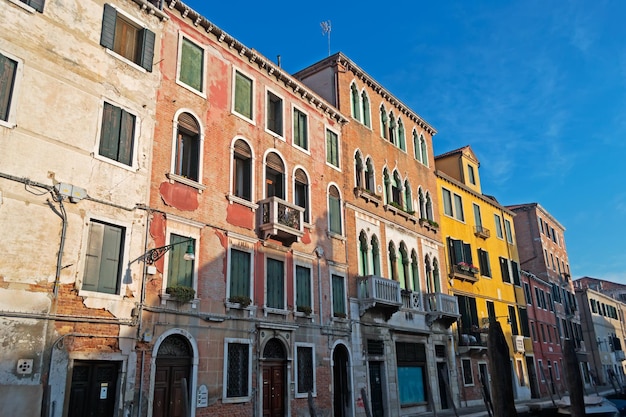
[202, 91]
[186, 229]
[337, 166]
[134, 141]
[308, 265]
[306, 215]
[10, 121]
[233, 109]
[471, 373]
[234, 173]
[338, 314]
[280, 125]
[497, 220]
[31, 6]
[266, 306]
[226, 373]
[294, 111]
[172, 175]
[508, 231]
[340, 208]
[148, 38]
[297, 393]
[241, 247]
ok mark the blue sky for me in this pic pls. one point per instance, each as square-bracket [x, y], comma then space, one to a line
[537, 88]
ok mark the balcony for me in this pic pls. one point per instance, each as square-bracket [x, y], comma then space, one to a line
[281, 220]
[379, 294]
[465, 272]
[410, 300]
[481, 232]
[443, 307]
[619, 355]
[472, 341]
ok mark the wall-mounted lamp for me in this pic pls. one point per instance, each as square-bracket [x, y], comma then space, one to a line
[153, 255]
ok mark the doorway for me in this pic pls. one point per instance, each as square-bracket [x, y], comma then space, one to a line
[532, 377]
[442, 376]
[172, 378]
[93, 389]
[341, 382]
[273, 371]
[376, 389]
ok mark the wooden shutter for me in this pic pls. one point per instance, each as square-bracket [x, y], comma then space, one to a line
[504, 268]
[274, 162]
[467, 253]
[187, 122]
[242, 149]
[239, 273]
[8, 69]
[92, 256]
[303, 287]
[109, 19]
[334, 209]
[180, 271]
[36, 4]
[191, 62]
[110, 266]
[127, 134]
[243, 95]
[275, 284]
[147, 49]
[456, 250]
[109, 135]
[339, 302]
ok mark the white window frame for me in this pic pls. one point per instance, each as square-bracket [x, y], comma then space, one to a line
[134, 166]
[306, 263]
[341, 211]
[266, 308]
[364, 91]
[285, 167]
[231, 186]
[252, 118]
[283, 111]
[326, 129]
[508, 232]
[178, 178]
[342, 274]
[231, 400]
[242, 244]
[202, 93]
[15, 93]
[124, 260]
[182, 227]
[140, 25]
[471, 372]
[497, 221]
[304, 394]
[308, 186]
[308, 129]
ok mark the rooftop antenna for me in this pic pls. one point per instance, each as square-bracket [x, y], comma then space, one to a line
[326, 27]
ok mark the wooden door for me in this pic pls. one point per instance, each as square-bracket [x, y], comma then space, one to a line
[274, 390]
[93, 390]
[171, 381]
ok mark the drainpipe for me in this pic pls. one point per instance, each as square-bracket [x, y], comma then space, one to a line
[319, 252]
[63, 215]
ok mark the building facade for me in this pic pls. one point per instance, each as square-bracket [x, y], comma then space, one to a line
[77, 112]
[484, 275]
[402, 343]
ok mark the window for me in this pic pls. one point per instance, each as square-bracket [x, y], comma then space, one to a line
[459, 251]
[504, 269]
[301, 192]
[483, 263]
[332, 148]
[35, 4]
[365, 101]
[300, 129]
[383, 122]
[355, 102]
[339, 296]
[468, 377]
[458, 208]
[540, 366]
[429, 207]
[403, 267]
[274, 176]
[242, 170]
[396, 189]
[358, 169]
[243, 101]
[103, 258]
[392, 129]
[275, 284]
[240, 273]
[523, 320]
[127, 38]
[498, 223]
[411, 359]
[237, 371]
[8, 77]
[305, 368]
[375, 255]
[303, 289]
[415, 271]
[117, 134]
[513, 319]
[401, 136]
[408, 197]
[180, 271]
[424, 158]
[515, 273]
[447, 202]
[334, 210]
[470, 175]
[417, 154]
[187, 157]
[540, 221]
[274, 113]
[477, 217]
[508, 231]
[393, 261]
[529, 296]
[191, 65]
[363, 254]
[369, 175]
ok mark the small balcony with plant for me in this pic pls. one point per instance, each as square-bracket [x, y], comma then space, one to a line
[280, 220]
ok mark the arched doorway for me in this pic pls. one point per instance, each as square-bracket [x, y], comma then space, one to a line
[341, 382]
[274, 378]
[172, 378]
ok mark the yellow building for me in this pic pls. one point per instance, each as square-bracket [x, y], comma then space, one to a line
[483, 272]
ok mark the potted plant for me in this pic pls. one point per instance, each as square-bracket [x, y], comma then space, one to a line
[243, 300]
[181, 293]
[305, 309]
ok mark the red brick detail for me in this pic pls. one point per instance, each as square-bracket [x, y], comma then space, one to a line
[238, 215]
[179, 196]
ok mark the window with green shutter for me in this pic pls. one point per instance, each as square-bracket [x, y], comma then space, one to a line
[332, 148]
[117, 134]
[275, 284]
[366, 109]
[243, 95]
[334, 210]
[103, 258]
[191, 65]
[300, 129]
[126, 38]
[339, 296]
[274, 113]
[180, 270]
[240, 273]
[303, 288]
[8, 71]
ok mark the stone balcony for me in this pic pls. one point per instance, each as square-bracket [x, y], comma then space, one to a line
[280, 220]
[443, 307]
[378, 294]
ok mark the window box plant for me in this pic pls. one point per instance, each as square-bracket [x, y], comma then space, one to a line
[243, 300]
[181, 293]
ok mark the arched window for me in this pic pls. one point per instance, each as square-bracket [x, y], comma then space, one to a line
[422, 204]
[387, 183]
[187, 158]
[424, 155]
[393, 261]
[242, 170]
[301, 192]
[408, 198]
[356, 104]
[392, 129]
[334, 210]
[429, 273]
[366, 109]
[416, 147]
[369, 176]
[437, 283]
[274, 176]
[383, 123]
[363, 251]
[375, 255]
[403, 267]
[358, 169]
[415, 271]
[396, 189]
[401, 138]
[429, 207]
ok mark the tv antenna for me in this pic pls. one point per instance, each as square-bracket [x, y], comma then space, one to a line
[326, 27]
